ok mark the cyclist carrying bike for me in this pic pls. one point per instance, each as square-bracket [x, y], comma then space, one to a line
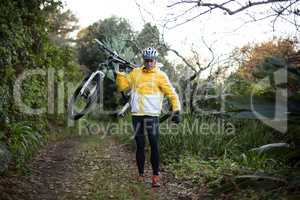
[148, 85]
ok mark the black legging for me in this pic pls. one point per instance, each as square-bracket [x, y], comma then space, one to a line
[140, 125]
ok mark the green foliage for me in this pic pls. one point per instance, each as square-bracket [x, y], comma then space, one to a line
[119, 44]
[23, 142]
[4, 101]
[107, 30]
[210, 173]
[24, 45]
[35, 92]
[61, 24]
[23, 29]
[237, 85]
[212, 138]
[150, 37]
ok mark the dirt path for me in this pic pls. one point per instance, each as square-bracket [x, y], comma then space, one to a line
[86, 168]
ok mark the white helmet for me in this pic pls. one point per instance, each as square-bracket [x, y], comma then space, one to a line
[150, 53]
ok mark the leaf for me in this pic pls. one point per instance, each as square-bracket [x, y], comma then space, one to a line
[2, 135]
[268, 147]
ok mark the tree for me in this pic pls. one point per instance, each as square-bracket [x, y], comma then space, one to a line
[260, 62]
[251, 57]
[150, 36]
[61, 24]
[274, 9]
[117, 34]
[104, 30]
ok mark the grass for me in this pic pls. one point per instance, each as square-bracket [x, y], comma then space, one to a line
[212, 138]
[208, 138]
[212, 151]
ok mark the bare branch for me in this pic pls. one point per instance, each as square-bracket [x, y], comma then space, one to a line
[182, 58]
[182, 14]
[254, 20]
[248, 5]
[291, 22]
[296, 23]
[227, 10]
[188, 20]
[145, 10]
[197, 73]
[280, 12]
[140, 10]
[225, 6]
[211, 52]
[201, 13]
[180, 2]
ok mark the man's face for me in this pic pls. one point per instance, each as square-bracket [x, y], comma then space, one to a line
[149, 63]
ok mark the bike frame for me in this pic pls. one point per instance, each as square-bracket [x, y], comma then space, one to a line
[101, 74]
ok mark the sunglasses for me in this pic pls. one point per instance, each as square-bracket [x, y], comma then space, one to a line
[148, 60]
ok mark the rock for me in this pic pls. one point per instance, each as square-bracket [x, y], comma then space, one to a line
[5, 157]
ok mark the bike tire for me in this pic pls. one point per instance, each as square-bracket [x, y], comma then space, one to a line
[72, 113]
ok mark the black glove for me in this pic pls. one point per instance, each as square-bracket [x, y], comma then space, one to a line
[176, 117]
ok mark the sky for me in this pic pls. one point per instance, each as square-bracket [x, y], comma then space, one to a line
[217, 30]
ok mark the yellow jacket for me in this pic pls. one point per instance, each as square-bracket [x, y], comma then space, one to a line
[148, 88]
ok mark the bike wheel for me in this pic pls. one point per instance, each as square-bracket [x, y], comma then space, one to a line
[81, 102]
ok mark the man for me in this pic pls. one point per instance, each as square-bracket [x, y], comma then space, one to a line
[148, 85]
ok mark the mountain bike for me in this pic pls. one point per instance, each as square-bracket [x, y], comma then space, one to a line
[89, 90]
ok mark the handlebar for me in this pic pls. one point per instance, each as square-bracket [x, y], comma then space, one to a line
[114, 56]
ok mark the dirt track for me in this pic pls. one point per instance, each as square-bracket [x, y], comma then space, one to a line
[86, 168]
